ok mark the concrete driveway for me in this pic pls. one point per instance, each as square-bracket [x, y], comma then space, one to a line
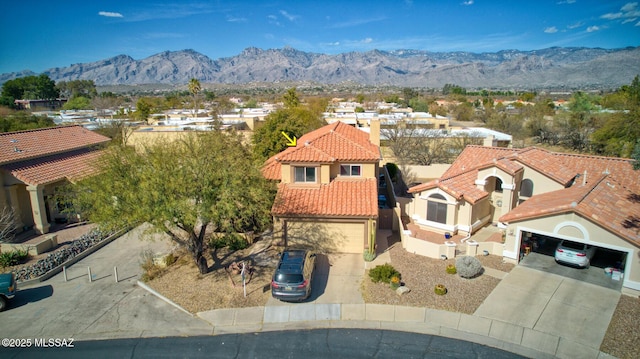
[337, 280]
[101, 309]
[574, 310]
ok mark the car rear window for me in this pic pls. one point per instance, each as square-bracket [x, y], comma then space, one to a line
[288, 278]
[573, 245]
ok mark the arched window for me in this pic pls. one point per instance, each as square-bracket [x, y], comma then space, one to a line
[526, 188]
[437, 208]
[498, 185]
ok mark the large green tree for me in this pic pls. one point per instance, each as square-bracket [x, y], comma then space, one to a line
[11, 120]
[182, 187]
[28, 88]
[619, 135]
[296, 121]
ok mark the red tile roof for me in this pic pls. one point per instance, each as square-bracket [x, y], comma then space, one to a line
[603, 201]
[339, 198]
[546, 163]
[337, 142]
[24, 145]
[72, 166]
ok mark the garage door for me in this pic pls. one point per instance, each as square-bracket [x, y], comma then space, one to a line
[543, 247]
[327, 237]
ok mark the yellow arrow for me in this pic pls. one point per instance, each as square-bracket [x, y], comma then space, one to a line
[292, 142]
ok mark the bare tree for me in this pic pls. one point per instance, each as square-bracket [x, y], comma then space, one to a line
[8, 224]
[417, 146]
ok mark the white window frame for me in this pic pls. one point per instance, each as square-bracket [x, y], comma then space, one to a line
[305, 174]
[350, 170]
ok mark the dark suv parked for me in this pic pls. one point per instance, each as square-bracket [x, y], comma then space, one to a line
[292, 278]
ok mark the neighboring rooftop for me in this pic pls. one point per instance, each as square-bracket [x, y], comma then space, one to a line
[25, 145]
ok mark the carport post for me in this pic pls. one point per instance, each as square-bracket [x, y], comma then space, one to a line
[89, 270]
[115, 271]
[64, 272]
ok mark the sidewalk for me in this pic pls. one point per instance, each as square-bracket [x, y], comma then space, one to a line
[494, 333]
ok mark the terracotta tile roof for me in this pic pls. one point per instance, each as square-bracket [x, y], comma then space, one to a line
[477, 156]
[335, 142]
[603, 201]
[459, 186]
[547, 164]
[72, 166]
[339, 198]
[621, 169]
[272, 169]
[23, 145]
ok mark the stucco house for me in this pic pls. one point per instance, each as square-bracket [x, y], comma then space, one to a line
[534, 192]
[34, 163]
[328, 190]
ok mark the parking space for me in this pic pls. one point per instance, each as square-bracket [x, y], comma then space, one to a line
[542, 258]
[337, 279]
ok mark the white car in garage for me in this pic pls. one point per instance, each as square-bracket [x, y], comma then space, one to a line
[574, 253]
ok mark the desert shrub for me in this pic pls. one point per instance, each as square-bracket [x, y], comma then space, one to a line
[468, 267]
[395, 282]
[169, 259]
[451, 269]
[12, 258]
[369, 256]
[383, 273]
[149, 267]
[440, 289]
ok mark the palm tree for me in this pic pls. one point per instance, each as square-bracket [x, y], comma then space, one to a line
[194, 88]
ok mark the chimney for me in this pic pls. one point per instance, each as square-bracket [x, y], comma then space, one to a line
[489, 141]
[584, 178]
[374, 131]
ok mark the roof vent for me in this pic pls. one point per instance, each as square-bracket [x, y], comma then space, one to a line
[13, 140]
[610, 185]
[306, 143]
[16, 149]
[574, 204]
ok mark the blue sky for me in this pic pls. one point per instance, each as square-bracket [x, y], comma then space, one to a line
[38, 35]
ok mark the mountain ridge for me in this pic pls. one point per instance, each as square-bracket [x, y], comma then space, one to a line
[554, 67]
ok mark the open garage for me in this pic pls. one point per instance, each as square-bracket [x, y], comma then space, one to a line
[538, 252]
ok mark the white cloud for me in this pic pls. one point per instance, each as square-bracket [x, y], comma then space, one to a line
[289, 16]
[576, 25]
[236, 19]
[368, 40]
[110, 14]
[627, 11]
[469, 2]
[566, 2]
[551, 30]
[593, 28]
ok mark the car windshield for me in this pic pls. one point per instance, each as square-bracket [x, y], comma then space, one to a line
[288, 278]
[573, 245]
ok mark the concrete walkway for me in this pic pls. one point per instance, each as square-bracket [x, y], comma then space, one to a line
[492, 332]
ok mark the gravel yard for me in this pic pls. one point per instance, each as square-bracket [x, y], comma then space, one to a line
[182, 283]
[623, 336]
[421, 274]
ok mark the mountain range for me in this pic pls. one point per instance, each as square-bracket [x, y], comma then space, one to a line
[551, 68]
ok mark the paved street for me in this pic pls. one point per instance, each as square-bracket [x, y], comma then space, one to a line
[309, 344]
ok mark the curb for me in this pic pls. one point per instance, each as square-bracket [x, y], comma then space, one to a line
[165, 299]
[73, 260]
